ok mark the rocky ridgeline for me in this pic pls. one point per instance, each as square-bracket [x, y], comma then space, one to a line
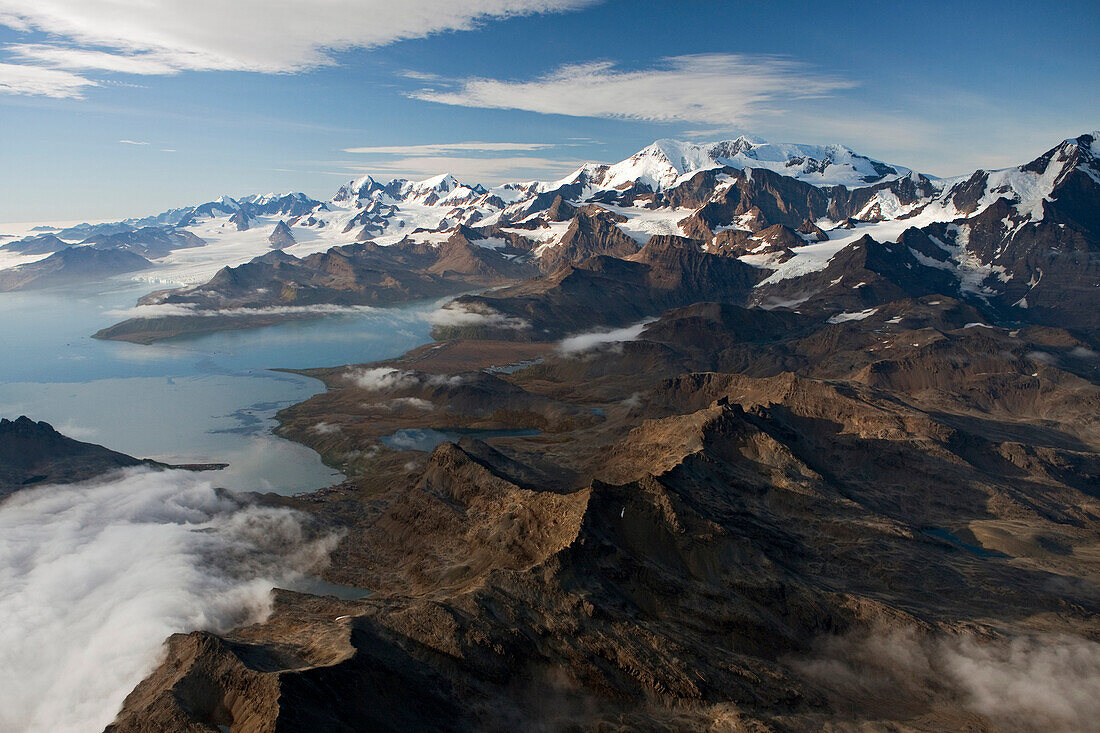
[1015, 250]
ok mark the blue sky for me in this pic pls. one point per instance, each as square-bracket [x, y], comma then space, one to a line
[272, 94]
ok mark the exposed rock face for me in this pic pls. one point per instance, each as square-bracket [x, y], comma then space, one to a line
[281, 236]
[241, 221]
[560, 210]
[33, 453]
[588, 235]
[72, 265]
[776, 240]
[759, 200]
[812, 230]
[863, 275]
[356, 274]
[608, 291]
[1043, 273]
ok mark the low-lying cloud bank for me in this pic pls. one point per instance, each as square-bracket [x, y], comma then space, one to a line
[97, 575]
[379, 379]
[164, 310]
[454, 315]
[586, 341]
[1032, 683]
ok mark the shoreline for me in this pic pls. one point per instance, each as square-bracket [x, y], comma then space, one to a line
[450, 357]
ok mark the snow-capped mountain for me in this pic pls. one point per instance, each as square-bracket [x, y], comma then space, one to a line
[788, 210]
[666, 162]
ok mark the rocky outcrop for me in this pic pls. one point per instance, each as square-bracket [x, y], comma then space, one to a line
[605, 291]
[33, 453]
[281, 236]
[560, 210]
[777, 240]
[812, 231]
[588, 235]
[241, 221]
[756, 200]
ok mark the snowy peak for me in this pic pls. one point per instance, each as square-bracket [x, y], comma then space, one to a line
[589, 174]
[659, 165]
[431, 191]
[1077, 153]
[665, 162]
[1071, 153]
[828, 165]
[444, 183]
[359, 188]
[1027, 187]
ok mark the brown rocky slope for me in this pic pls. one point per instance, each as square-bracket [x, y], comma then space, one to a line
[704, 512]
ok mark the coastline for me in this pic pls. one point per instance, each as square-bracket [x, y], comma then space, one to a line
[452, 357]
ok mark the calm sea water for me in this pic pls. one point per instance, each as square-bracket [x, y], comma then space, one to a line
[203, 399]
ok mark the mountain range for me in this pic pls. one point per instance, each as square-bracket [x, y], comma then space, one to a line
[733, 436]
[822, 228]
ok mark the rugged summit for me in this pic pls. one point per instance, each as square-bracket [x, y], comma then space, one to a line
[821, 226]
[281, 236]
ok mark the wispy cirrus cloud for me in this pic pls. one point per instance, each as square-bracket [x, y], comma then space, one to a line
[79, 59]
[489, 170]
[132, 142]
[445, 148]
[485, 162]
[167, 36]
[713, 89]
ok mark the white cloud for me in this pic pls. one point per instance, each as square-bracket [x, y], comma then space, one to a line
[157, 310]
[96, 576]
[38, 81]
[385, 378]
[414, 403]
[445, 148]
[585, 341]
[380, 378]
[325, 428]
[486, 170]
[719, 89]
[454, 314]
[132, 142]
[401, 403]
[1043, 682]
[77, 431]
[164, 310]
[270, 36]
[65, 57]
